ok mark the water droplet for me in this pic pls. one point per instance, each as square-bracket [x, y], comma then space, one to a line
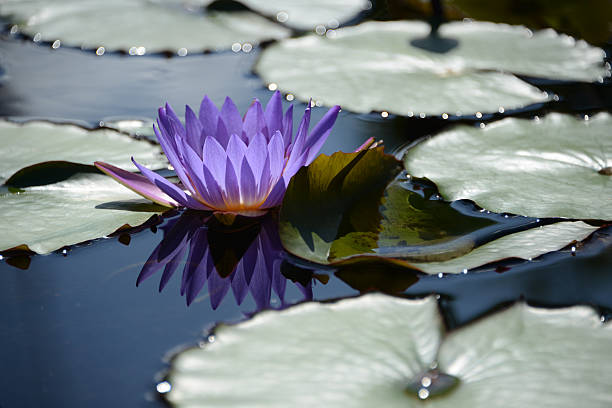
[529, 32]
[141, 51]
[333, 23]
[501, 109]
[445, 116]
[586, 117]
[182, 52]
[482, 125]
[505, 215]
[272, 86]
[163, 387]
[247, 47]
[573, 251]
[422, 115]
[100, 51]
[331, 34]
[536, 118]
[431, 383]
[236, 47]
[56, 44]
[64, 251]
[211, 338]
[290, 97]
[478, 115]
[555, 98]
[1, 257]
[37, 37]
[320, 29]
[384, 114]
[14, 29]
[410, 114]
[132, 51]
[282, 16]
[464, 271]
[440, 275]
[367, 5]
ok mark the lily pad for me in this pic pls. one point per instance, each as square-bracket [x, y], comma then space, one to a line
[374, 67]
[82, 208]
[138, 26]
[378, 350]
[557, 166]
[341, 209]
[34, 142]
[306, 15]
[525, 244]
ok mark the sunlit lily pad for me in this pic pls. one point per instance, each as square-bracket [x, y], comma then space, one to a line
[526, 245]
[374, 67]
[306, 15]
[344, 209]
[35, 142]
[557, 166]
[76, 206]
[82, 208]
[379, 351]
[137, 26]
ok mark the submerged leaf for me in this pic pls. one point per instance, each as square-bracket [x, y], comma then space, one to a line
[370, 351]
[374, 67]
[549, 167]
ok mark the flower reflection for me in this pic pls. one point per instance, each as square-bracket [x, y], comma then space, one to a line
[244, 258]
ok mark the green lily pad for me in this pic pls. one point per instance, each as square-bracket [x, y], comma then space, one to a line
[137, 26]
[374, 67]
[48, 215]
[34, 142]
[557, 166]
[377, 350]
[525, 244]
[82, 208]
[306, 15]
[344, 209]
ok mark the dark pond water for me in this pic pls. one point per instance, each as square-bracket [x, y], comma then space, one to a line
[75, 329]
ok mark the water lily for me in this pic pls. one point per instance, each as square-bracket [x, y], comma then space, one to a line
[227, 163]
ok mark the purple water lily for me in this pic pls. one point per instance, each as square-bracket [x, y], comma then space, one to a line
[245, 260]
[227, 163]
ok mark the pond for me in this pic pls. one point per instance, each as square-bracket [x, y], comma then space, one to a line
[78, 330]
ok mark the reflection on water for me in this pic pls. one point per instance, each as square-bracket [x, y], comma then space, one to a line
[246, 257]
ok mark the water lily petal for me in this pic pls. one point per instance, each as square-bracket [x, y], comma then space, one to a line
[171, 189]
[274, 113]
[217, 288]
[193, 129]
[194, 167]
[209, 116]
[213, 157]
[137, 183]
[276, 195]
[248, 188]
[265, 181]
[169, 145]
[276, 152]
[175, 122]
[294, 165]
[171, 268]
[254, 122]
[222, 135]
[288, 127]
[231, 117]
[236, 150]
[213, 194]
[231, 188]
[320, 132]
[297, 147]
[256, 154]
[261, 283]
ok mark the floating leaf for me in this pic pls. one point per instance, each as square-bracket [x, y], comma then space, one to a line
[557, 166]
[137, 26]
[525, 244]
[377, 350]
[374, 67]
[35, 142]
[306, 15]
[340, 209]
[84, 207]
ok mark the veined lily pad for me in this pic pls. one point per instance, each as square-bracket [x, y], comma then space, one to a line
[525, 244]
[84, 207]
[35, 142]
[378, 350]
[137, 26]
[81, 207]
[374, 67]
[340, 210]
[557, 166]
[306, 15]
